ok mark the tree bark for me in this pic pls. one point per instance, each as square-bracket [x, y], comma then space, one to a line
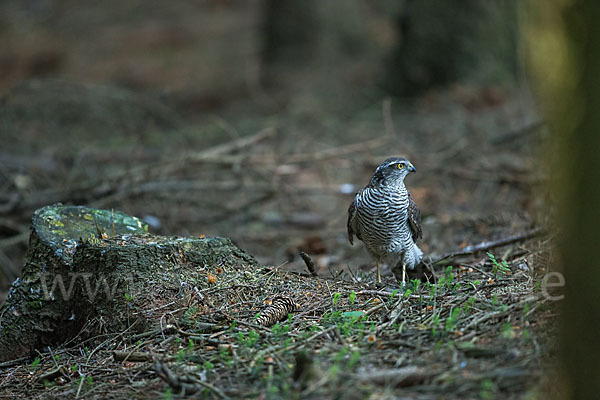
[580, 347]
[75, 279]
[564, 57]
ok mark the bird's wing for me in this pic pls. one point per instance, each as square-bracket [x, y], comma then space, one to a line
[414, 219]
[351, 226]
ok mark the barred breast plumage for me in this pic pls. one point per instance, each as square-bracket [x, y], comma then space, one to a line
[385, 218]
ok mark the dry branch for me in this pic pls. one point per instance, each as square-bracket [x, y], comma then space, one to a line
[309, 263]
[483, 246]
[52, 375]
[401, 377]
[235, 145]
[520, 132]
[87, 191]
[133, 356]
[173, 380]
[184, 385]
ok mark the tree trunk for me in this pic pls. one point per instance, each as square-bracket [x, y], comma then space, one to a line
[289, 37]
[441, 42]
[564, 57]
[77, 282]
[581, 146]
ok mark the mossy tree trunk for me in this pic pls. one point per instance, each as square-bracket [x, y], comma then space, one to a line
[77, 282]
[581, 145]
[564, 57]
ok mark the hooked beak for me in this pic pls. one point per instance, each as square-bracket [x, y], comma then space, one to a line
[412, 168]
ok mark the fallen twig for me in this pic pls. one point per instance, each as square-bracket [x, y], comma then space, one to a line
[173, 380]
[501, 314]
[182, 383]
[52, 375]
[276, 349]
[448, 258]
[401, 377]
[234, 145]
[87, 191]
[133, 356]
[520, 132]
[14, 362]
[309, 263]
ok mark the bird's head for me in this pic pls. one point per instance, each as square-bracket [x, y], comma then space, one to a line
[392, 171]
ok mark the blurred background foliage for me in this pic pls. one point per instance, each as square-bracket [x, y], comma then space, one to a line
[100, 100]
[113, 103]
[208, 53]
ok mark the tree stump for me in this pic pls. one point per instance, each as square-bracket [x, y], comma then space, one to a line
[89, 271]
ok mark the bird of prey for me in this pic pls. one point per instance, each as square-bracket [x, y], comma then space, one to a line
[384, 216]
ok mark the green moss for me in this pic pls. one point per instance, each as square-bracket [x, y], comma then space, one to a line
[35, 304]
[57, 224]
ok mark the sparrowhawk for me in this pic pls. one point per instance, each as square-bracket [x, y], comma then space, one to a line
[384, 216]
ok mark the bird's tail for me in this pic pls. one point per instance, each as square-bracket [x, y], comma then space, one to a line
[418, 254]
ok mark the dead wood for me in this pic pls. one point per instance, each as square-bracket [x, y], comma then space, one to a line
[309, 263]
[185, 384]
[401, 377]
[75, 272]
[180, 387]
[133, 356]
[483, 246]
[53, 374]
[519, 133]
[87, 191]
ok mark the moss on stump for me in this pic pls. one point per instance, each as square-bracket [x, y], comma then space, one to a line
[89, 271]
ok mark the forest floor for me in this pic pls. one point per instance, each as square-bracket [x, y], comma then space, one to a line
[479, 332]
[279, 184]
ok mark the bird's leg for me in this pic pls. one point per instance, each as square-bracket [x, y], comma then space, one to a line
[403, 274]
[378, 274]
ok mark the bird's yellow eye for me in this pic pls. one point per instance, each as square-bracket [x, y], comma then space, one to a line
[400, 166]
